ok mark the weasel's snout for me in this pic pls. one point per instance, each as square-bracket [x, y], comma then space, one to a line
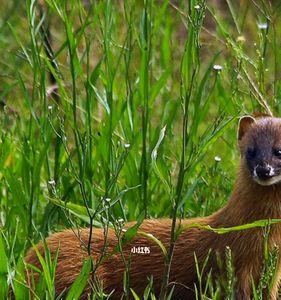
[264, 172]
[266, 175]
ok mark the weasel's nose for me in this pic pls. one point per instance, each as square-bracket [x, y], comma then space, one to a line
[264, 172]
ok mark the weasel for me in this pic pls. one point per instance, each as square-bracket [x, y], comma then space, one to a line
[256, 196]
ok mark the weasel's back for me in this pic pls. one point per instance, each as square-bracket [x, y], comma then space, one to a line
[145, 256]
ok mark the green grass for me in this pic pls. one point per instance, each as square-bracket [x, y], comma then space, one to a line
[140, 115]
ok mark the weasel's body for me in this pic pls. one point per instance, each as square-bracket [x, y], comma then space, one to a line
[252, 199]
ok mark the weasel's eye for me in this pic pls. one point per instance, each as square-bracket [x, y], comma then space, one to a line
[251, 153]
[277, 152]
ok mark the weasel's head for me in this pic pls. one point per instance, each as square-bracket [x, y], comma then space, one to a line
[260, 145]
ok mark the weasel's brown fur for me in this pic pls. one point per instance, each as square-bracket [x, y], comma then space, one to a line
[249, 202]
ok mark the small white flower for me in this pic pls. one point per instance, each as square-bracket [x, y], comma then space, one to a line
[52, 182]
[217, 67]
[107, 200]
[127, 146]
[262, 26]
[50, 107]
[197, 6]
[120, 222]
[217, 158]
[240, 39]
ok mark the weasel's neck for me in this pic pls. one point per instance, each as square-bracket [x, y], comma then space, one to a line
[251, 201]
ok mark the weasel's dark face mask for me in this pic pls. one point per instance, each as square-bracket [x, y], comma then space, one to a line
[260, 145]
[264, 164]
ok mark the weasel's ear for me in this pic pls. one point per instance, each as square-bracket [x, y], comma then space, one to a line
[244, 124]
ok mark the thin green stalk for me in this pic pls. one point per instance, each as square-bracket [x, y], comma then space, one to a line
[190, 68]
[71, 42]
[109, 89]
[144, 78]
[178, 195]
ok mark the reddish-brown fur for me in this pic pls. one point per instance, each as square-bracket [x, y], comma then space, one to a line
[249, 202]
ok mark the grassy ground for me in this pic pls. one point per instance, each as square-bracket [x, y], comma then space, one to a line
[144, 120]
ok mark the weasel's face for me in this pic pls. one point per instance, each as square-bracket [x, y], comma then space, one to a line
[260, 145]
